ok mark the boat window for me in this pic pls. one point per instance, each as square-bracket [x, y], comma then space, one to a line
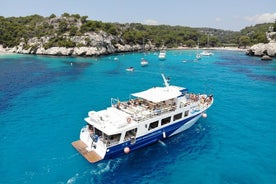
[186, 113]
[165, 120]
[113, 139]
[153, 125]
[130, 134]
[90, 127]
[98, 132]
[177, 116]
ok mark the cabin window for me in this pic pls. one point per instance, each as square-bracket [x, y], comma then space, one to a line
[131, 134]
[165, 120]
[177, 116]
[186, 113]
[113, 139]
[153, 125]
[90, 127]
[98, 132]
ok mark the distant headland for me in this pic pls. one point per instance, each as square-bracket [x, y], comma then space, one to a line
[74, 35]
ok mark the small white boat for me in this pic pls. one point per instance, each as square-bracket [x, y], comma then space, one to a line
[144, 62]
[130, 69]
[145, 118]
[162, 55]
[206, 53]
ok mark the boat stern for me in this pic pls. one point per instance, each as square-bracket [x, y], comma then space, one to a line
[91, 148]
[92, 156]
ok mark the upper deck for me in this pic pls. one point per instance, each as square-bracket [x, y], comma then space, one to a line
[153, 102]
[134, 111]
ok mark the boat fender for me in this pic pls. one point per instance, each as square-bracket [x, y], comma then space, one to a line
[128, 119]
[126, 150]
[204, 115]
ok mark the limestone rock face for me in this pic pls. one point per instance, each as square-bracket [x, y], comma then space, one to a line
[60, 51]
[264, 49]
[261, 49]
[89, 44]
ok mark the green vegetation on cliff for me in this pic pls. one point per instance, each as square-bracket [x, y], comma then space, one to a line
[16, 30]
[256, 34]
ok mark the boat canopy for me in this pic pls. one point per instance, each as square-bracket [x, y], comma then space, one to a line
[159, 94]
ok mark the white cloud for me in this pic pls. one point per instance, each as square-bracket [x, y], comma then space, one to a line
[151, 22]
[263, 18]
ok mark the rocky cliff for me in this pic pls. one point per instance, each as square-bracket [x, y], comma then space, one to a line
[100, 43]
[264, 49]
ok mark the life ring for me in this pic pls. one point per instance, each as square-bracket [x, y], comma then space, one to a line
[128, 119]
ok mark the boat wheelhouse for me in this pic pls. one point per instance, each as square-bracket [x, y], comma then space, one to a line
[147, 117]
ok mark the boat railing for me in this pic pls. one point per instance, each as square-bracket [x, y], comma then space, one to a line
[141, 110]
[147, 114]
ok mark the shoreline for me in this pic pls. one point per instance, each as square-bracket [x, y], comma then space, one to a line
[210, 48]
[5, 52]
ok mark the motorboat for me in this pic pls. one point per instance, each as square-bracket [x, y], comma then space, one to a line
[146, 117]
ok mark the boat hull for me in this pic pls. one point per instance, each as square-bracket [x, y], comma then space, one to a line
[152, 137]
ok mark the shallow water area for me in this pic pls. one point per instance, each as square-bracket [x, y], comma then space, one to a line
[43, 101]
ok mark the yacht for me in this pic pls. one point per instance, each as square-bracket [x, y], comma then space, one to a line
[145, 118]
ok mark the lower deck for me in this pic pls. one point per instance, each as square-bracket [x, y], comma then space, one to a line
[91, 156]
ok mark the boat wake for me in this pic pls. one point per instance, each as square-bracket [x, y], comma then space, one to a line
[110, 166]
[73, 179]
[96, 174]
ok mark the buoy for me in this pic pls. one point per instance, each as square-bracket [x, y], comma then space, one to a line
[204, 115]
[126, 150]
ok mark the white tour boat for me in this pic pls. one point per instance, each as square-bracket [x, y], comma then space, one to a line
[147, 117]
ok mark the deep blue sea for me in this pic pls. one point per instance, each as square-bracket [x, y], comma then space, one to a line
[43, 101]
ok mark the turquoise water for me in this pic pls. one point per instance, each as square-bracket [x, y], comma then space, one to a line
[43, 101]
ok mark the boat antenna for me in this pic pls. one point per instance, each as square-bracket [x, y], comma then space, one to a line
[165, 80]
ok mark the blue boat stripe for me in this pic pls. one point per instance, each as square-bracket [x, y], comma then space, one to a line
[146, 139]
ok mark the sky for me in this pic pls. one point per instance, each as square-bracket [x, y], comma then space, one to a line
[220, 14]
